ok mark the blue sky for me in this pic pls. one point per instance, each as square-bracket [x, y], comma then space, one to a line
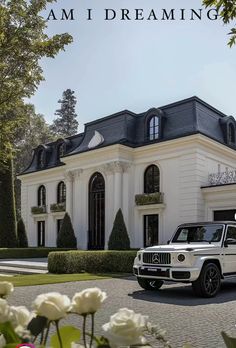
[136, 65]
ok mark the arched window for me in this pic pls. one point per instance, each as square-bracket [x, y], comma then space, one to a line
[231, 133]
[153, 128]
[96, 212]
[42, 196]
[41, 160]
[152, 179]
[61, 192]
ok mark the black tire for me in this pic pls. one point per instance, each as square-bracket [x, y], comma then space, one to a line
[208, 283]
[150, 284]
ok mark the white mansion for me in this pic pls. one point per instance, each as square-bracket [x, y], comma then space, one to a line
[163, 167]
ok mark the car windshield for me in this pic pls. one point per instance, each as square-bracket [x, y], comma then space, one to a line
[199, 233]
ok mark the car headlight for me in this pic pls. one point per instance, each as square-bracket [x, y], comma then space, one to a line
[181, 257]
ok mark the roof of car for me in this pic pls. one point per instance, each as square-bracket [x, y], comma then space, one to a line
[208, 223]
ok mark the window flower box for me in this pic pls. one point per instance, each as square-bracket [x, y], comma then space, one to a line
[39, 210]
[57, 207]
[149, 198]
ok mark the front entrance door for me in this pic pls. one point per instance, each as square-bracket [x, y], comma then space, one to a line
[96, 238]
[151, 228]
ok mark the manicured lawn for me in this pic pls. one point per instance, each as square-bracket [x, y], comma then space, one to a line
[40, 279]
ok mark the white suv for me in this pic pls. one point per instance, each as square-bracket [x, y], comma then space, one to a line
[199, 253]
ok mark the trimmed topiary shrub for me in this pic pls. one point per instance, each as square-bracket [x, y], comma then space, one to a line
[66, 236]
[21, 234]
[91, 261]
[119, 238]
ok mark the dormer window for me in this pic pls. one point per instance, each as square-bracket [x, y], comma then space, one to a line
[153, 128]
[231, 135]
[61, 150]
[41, 159]
[154, 124]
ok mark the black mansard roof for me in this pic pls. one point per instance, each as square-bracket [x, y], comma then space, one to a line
[180, 119]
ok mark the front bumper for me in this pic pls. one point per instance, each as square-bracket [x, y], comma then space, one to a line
[176, 274]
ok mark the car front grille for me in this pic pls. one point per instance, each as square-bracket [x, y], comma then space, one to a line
[157, 258]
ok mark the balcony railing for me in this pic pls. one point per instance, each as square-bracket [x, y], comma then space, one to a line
[149, 198]
[228, 177]
[57, 207]
[39, 210]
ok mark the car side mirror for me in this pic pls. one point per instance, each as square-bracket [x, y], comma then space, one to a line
[229, 241]
[168, 242]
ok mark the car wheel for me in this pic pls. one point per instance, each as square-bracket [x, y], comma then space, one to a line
[208, 283]
[150, 284]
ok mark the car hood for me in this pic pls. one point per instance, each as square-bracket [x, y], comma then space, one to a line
[183, 247]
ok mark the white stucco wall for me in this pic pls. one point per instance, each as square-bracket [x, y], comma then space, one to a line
[184, 165]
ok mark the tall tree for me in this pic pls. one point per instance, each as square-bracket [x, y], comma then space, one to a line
[23, 43]
[227, 12]
[27, 138]
[66, 124]
[8, 237]
[37, 132]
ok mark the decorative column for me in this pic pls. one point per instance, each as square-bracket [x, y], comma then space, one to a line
[69, 177]
[118, 175]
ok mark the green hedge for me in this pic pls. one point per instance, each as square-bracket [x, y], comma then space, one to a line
[91, 261]
[15, 253]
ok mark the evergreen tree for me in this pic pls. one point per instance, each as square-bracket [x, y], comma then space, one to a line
[119, 238]
[66, 124]
[66, 236]
[8, 237]
[21, 234]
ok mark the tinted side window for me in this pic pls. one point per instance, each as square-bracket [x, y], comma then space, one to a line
[231, 232]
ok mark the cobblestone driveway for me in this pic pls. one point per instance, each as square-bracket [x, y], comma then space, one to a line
[185, 317]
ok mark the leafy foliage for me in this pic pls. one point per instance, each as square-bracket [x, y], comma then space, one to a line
[21, 234]
[91, 261]
[66, 236]
[227, 12]
[68, 335]
[7, 208]
[66, 124]
[149, 198]
[119, 238]
[23, 43]
[230, 342]
[27, 138]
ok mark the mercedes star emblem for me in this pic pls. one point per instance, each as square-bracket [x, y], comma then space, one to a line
[155, 258]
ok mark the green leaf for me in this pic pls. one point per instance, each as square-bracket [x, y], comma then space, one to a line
[11, 345]
[68, 334]
[9, 334]
[36, 325]
[229, 341]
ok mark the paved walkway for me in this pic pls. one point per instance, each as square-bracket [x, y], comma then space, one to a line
[186, 317]
[24, 266]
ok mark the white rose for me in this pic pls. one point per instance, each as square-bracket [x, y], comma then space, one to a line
[125, 328]
[4, 311]
[6, 289]
[20, 318]
[88, 301]
[52, 305]
[2, 341]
